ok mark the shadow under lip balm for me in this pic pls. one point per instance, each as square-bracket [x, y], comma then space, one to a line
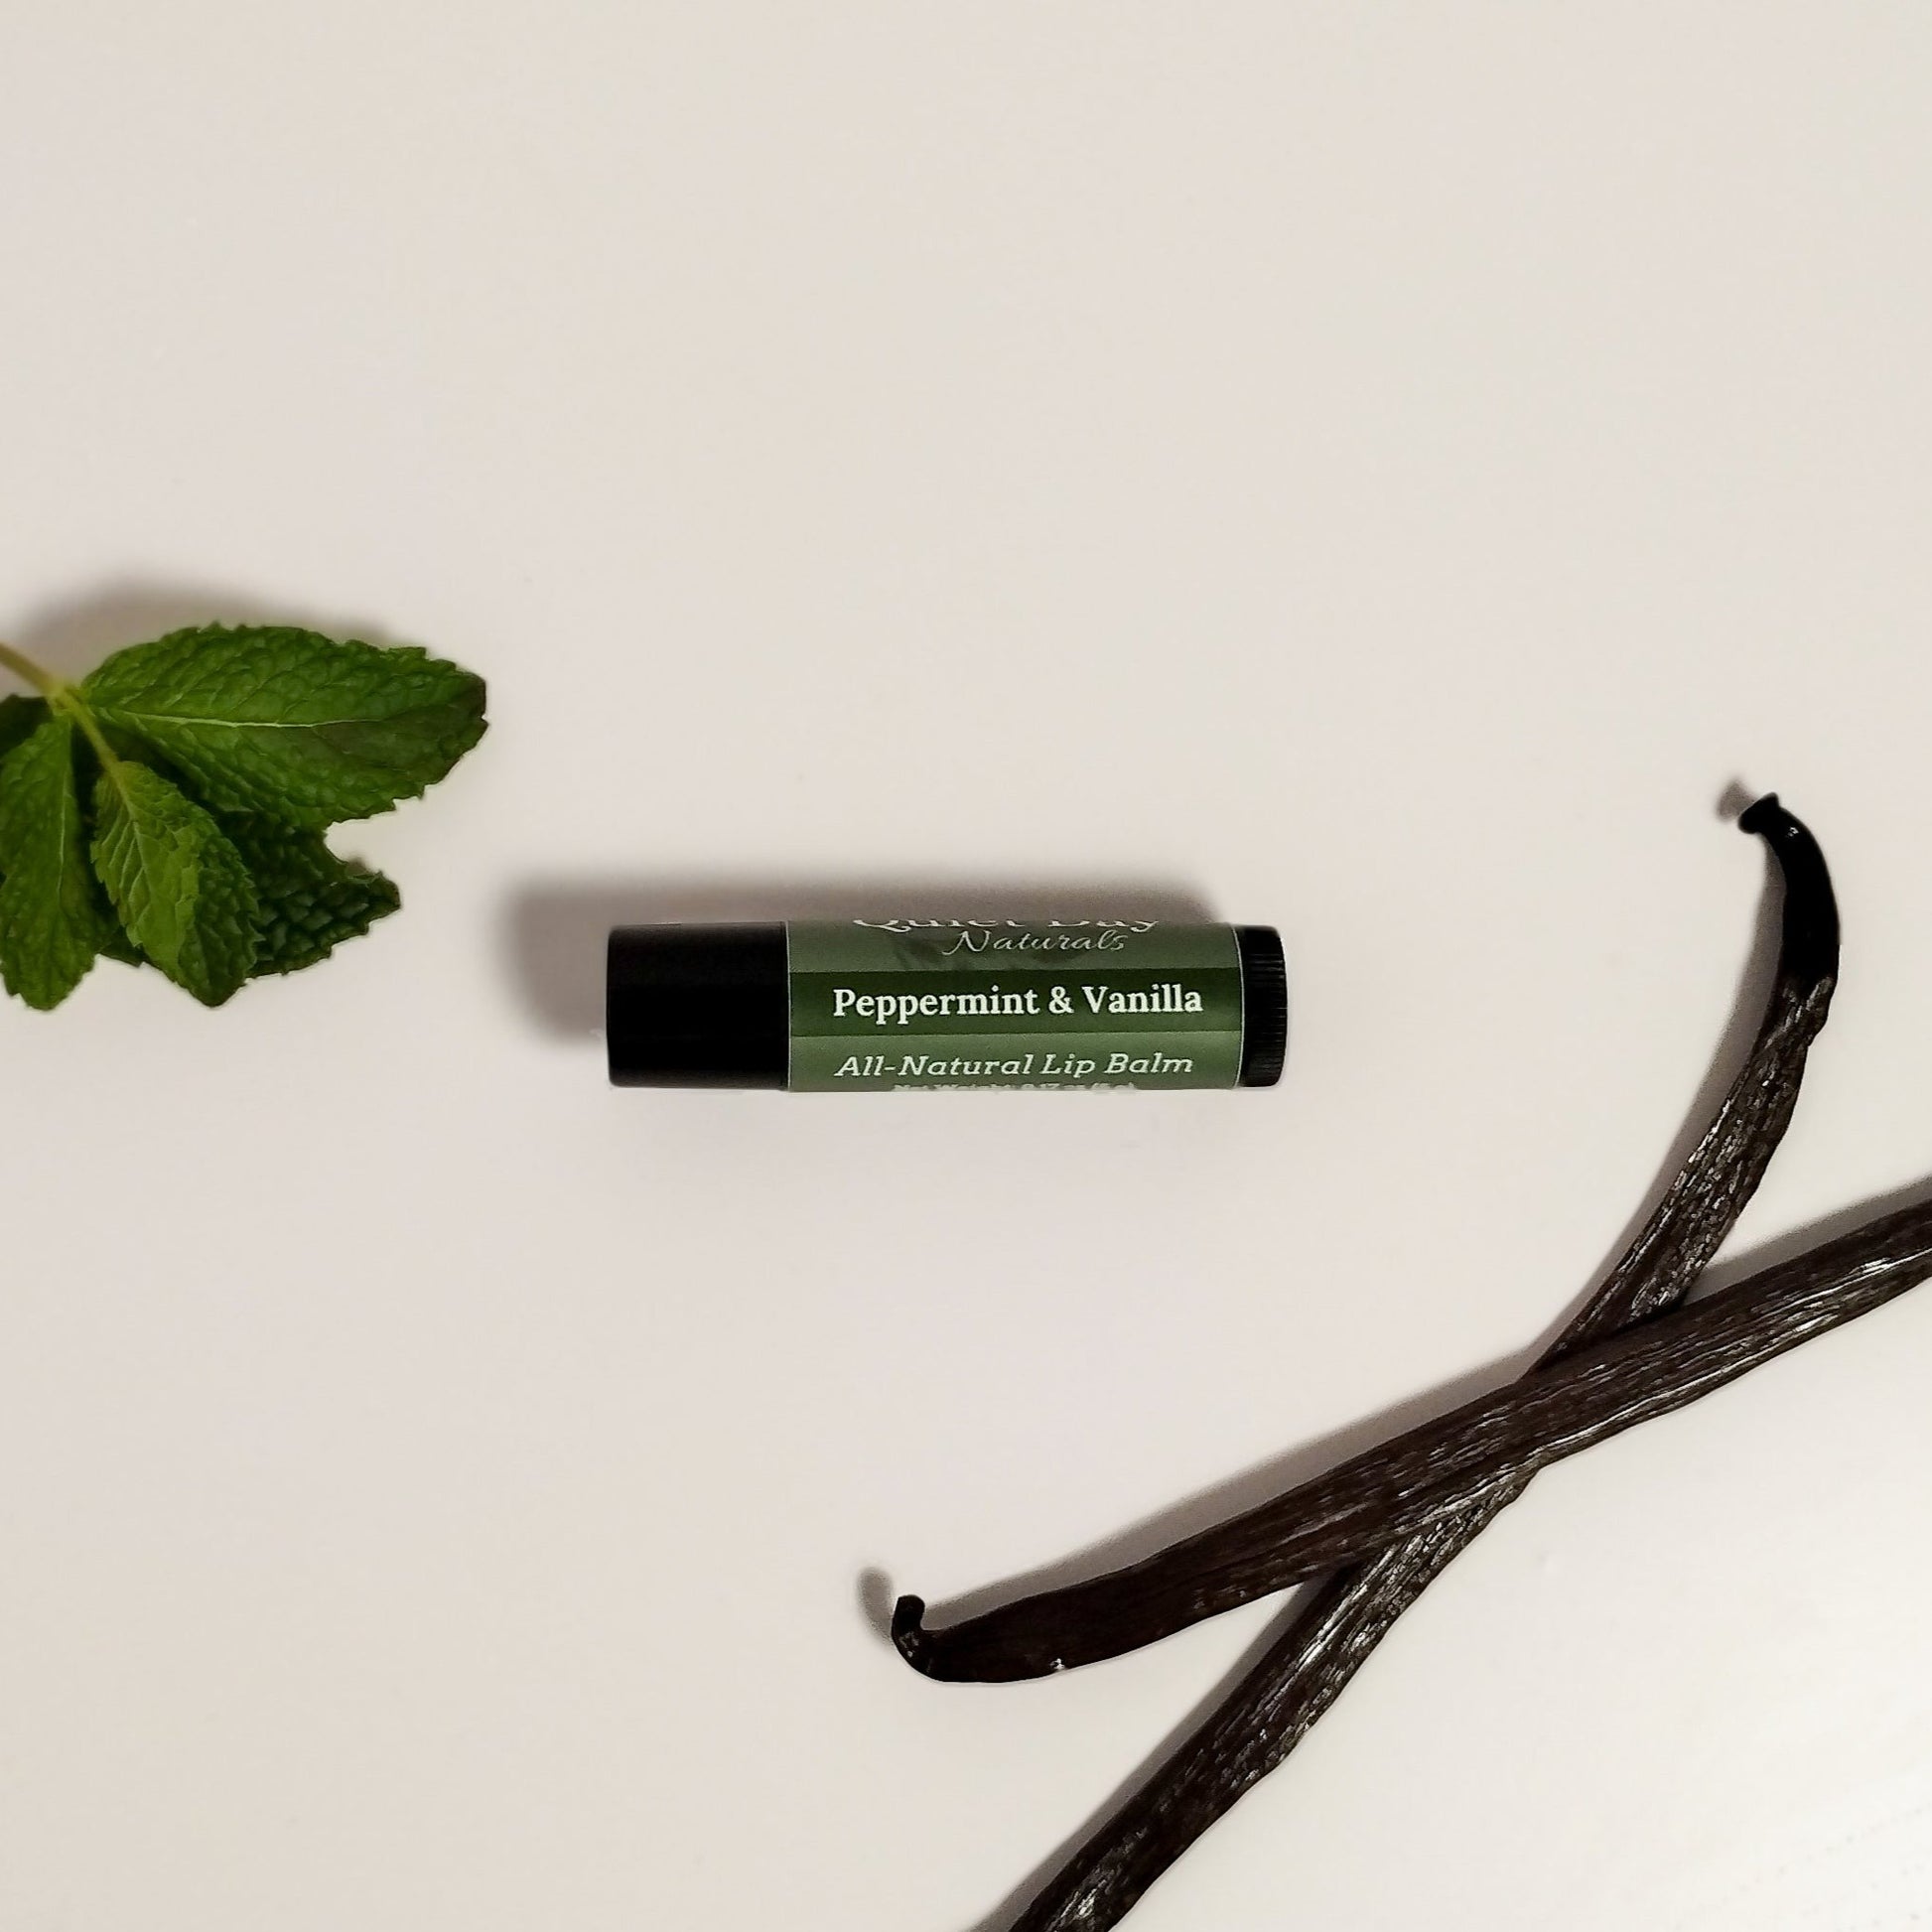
[867, 1006]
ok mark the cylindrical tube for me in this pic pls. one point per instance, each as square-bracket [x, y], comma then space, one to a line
[858, 1006]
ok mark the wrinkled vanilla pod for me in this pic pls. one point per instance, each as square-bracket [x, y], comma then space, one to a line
[1443, 1467]
[1333, 1633]
[1231, 1563]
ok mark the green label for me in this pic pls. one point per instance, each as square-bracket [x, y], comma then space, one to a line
[1007, 1003]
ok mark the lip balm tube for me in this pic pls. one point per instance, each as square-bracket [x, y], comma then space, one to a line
[867, 1006]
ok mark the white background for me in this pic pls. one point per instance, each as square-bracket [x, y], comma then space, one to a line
[1385, 471]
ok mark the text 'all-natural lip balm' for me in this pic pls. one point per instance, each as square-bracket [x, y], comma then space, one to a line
[866, 1005]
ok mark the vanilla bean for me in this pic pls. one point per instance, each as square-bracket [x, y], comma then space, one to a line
[1445, 1467]
[1329, 1636]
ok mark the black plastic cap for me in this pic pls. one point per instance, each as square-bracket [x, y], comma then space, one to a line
[1264, 1005]
[697, 1006]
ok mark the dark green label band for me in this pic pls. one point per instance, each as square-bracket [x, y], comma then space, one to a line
[969, 1003]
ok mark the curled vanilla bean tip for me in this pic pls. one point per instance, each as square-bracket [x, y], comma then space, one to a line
[1808, 946]
[911, 1642]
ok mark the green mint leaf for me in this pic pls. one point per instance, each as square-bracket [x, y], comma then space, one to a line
[114, 942]
[288, 724]
[176, 879]
[112, 939]
[52, 920]
[19, 719]
[310, 900]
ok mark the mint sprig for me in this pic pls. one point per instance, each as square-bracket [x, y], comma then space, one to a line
[171, 806]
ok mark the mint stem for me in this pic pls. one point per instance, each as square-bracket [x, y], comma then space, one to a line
[24, 668]
[62, 697]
